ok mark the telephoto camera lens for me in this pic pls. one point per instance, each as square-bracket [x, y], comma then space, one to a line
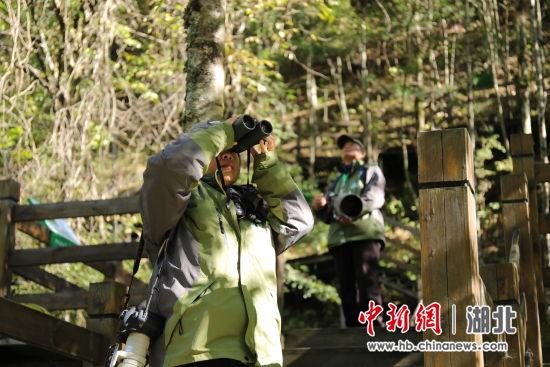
[349, 205]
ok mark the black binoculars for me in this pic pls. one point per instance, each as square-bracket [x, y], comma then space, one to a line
[249, 132]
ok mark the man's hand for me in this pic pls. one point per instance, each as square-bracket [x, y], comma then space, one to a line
[345, 219]
[232, 119]
[265, 145]
[319, 201]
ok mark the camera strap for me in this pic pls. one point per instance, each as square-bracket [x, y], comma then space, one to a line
[222, 181]
[137, 260]
[248, 166]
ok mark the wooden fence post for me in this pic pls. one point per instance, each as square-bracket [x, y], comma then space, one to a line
[105, 303]
[9, 196]
[502, 283]
[450, 269]
[521, 146]
[515, 216]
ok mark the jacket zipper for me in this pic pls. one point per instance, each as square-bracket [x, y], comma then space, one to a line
[222, 229]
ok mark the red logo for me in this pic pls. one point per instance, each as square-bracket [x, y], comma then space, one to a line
[428, 317]
[368, 316]
[399, 318]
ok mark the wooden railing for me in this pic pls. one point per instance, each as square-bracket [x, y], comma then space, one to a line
[102, 301]
[451, 274]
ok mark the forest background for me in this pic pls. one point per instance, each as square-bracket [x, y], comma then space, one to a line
[89, 89]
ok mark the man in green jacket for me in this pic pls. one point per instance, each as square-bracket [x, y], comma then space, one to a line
[217, 288]
[355, 243]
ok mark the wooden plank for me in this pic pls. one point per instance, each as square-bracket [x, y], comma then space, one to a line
[46, 279]
[448, 233]
[106, 298]
[462, 276]
[516, 342]
[112, 270]
[9, 189]
[458, 162]
[73, 209]
[515, 216]
[9, 194]
[522, 149]
[58, 255]
[507, 283]
[35, 230]
[50, 333]
[72, 300]
[433, 251]
[434, 266]
[105, 302]
[542, 172]
[544, 224]
[430, 157]
[488, 274]
[341, 337]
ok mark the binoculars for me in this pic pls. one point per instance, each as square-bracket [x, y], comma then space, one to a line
[349, 205]
[249, 132]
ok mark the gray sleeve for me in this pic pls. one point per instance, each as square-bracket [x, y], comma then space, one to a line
[298, 221]
[171, 175]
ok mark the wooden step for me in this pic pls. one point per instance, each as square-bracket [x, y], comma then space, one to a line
[342, 337]
[333, 347]
[18, 354]
[348, 357]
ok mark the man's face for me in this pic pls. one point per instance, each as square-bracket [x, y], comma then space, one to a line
[351, 151]
[230, 166]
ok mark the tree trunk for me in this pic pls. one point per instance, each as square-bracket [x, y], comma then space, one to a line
[522, 77]
[541, 95]
[313, 106]
[493, 56]
[367, 115]
[205, 24]
[469, 77]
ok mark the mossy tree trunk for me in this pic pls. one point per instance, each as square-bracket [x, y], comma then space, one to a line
[205, 80]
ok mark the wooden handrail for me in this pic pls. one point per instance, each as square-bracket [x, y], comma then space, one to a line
[514, 254]
[74, 209]
[44, 331]
[70, 300]
[542, 172]
[45, 279]
[59, 255]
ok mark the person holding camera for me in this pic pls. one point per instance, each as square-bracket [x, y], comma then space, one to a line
[351, 206]
[217, 243]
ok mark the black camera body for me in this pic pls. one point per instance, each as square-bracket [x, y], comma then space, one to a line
[248, 203]
[249, 132]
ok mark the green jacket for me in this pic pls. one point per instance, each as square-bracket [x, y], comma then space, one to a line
[218, 287]
[368, 182]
